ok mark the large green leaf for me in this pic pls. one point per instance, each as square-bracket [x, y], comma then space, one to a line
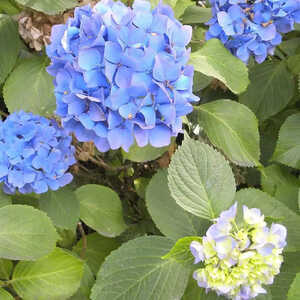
[276, 210]
[29, 87]
[6, 267]
[25, 233]
[53, 277]
[221, 121]
[200, 180]
[284, 279]
[136, 271]
[287, 150]
[281, 184]
[9, 46]
[142, 154]
[294, 291]
[196, 15]
[97, 248]
[270, 90]
[4, 295]
[87, 282]
[101, 209]
[62, 207]
[294, 64]
[213, 59]
[173, 221]
[50, 7]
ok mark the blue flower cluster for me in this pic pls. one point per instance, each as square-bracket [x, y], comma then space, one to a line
[121, 74]
[237, 260]
[252, 27]
[35, 154]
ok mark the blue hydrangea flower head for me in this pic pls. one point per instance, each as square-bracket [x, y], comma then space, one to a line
[121, 74]
[237, 260]
[35, 154]
[252, 27]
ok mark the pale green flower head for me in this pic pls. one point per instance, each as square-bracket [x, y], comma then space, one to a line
[237, 261]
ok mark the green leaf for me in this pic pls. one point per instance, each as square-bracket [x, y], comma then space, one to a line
[271, 89]
[282, 185]
[97, 248]
[269, 133]
[290, 46]
[6, 267]
[56, 276]
[273, 209]
[101, 209]
[27, 199]
[4, 198]
[200, 180]
[4, 295]
[173, 221]
[299, 200]
[196, 15]
[67, 238]
[213, 59]
[49, 7]
[136, 271]
[294, 64]
[221, 121]
[201, 81]
[294, 291]
[287, 150]
[142, 154]
[25, 233]
[62, 207]
[181, 6]
[283, 280]
[8, 7]
[181, 250]
[87, 282]
[9, 46]
[29, 87]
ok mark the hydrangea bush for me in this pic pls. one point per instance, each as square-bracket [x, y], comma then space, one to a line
[149, 149]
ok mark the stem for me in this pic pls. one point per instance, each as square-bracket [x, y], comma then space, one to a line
[84, 240]
[101, 163]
